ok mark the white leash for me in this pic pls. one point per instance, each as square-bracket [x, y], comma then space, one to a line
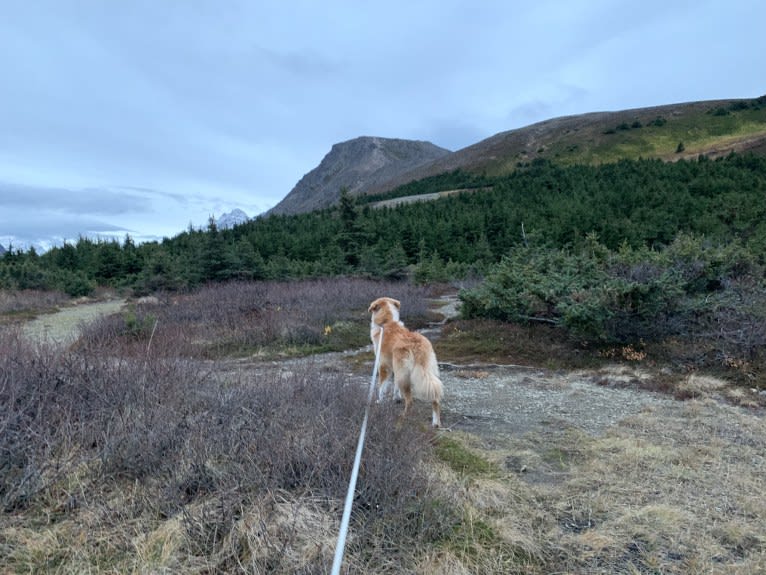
[341, 545]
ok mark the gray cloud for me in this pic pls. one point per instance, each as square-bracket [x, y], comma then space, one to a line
[26, 228]
[74, 202]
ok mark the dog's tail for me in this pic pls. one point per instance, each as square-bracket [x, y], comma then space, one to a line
[426, 383]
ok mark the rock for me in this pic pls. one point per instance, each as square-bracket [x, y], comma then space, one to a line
[356, 165]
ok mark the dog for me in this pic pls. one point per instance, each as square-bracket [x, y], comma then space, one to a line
[408, 355]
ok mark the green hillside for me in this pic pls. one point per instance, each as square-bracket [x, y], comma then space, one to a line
[714, 132]
[670, 132]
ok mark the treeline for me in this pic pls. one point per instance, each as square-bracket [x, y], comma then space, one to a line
[634, 204]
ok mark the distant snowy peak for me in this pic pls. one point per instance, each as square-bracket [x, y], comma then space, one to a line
[2, 249]
[231, 219]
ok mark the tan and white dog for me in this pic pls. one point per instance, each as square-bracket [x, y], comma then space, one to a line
[406, 354]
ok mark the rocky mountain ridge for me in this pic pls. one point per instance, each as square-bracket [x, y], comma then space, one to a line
[670, 132]
[356, 165]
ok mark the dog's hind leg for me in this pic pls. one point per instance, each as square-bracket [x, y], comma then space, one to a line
[397, 394]
[404, 385]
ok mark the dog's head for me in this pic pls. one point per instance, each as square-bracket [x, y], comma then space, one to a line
[384, 310]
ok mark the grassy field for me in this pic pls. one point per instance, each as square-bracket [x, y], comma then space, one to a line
[649, 141]
[666, 491]
[175, 438]
[645, 133]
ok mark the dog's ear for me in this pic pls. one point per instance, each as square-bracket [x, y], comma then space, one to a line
[397, 303]
[373, 307]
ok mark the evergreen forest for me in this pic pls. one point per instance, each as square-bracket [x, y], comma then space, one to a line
[643, 204]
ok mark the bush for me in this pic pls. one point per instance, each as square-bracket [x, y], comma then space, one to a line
[243, 318]
[614, 297]
[14, 302]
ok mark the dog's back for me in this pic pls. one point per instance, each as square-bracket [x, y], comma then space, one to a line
[408, 354]
[412, 353]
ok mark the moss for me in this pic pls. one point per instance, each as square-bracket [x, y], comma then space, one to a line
[461, 459]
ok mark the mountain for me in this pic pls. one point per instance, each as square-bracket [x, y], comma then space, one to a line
[671, 132]
[231, 219]
[356, 165]
[2, 250]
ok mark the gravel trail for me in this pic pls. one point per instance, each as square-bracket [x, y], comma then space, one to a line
[63, 326]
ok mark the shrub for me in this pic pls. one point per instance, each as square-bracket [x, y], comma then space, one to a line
[15, 302]
[530, 283]
[248, 317]
[614, 297]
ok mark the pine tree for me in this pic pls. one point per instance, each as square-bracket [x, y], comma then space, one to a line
[350, 237]
[213, 260]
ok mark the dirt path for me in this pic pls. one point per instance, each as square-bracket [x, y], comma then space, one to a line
[63, 326]
[500, 402]
[503, 401]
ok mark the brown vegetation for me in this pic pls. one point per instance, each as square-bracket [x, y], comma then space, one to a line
[21, 305]
[140, 449]
[262, 318]
[121, 454]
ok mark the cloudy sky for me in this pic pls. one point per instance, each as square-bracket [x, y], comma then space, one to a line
[147, 116]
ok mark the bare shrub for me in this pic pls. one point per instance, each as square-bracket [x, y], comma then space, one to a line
[737, 320]
[242, 317]
[144, 433]
[32, 413]
[729, 331]
[16, 301]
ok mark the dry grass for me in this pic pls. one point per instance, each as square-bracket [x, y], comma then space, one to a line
[26, 304]
[117, 456]
[676, 490]
[265, 319]
[672, 490]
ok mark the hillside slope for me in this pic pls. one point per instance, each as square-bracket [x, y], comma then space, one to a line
[669, 132]
[356, 165]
